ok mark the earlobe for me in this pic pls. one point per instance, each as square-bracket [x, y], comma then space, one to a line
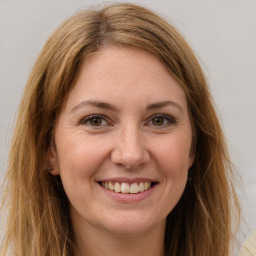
[54, 172]
[191, 160]
[52, 160]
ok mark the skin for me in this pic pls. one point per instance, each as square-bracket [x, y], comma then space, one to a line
[129, 142]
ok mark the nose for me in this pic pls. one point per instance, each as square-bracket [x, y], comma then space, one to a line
[129, 148]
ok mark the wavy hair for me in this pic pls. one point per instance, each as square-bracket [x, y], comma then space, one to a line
[37, 218]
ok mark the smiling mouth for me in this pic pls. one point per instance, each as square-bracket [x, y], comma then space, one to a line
[126, 188]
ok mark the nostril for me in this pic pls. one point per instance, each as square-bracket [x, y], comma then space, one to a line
[130, 160]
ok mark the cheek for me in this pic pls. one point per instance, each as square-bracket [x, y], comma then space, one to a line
[173, 154]
[79, 155]
[173, 163]
[79, 159]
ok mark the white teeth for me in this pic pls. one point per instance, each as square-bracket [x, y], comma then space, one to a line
[134, 188]
[141, 187]
[125, 188]
[111, 186]
[146, 185]
[117, 187]
[106, 185]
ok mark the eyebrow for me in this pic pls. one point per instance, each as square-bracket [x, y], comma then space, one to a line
[98, 104]
[164, 104]
[108, 106]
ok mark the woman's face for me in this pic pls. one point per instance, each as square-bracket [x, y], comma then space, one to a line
[123, 143]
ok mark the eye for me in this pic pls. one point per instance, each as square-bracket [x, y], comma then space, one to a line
[94, 120]
[158, 121]
[161, 120]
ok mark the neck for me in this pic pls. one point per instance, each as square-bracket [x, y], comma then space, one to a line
[93, 242]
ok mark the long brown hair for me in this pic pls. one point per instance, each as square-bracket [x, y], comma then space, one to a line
[37, 220]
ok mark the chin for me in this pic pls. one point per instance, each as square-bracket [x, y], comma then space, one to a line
[132, 225]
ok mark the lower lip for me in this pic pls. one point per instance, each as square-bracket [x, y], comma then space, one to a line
[129, 198]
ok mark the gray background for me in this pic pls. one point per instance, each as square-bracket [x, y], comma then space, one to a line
[222, 33]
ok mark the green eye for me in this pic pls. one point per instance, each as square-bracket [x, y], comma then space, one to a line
[158, 121]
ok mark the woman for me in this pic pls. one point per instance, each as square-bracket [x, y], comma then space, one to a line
[117, 148]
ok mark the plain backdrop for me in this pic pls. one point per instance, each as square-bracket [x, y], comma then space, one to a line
[222, 33]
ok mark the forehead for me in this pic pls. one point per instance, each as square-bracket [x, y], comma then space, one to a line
[122, 74]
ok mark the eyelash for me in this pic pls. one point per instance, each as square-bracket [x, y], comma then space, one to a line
[87, 119]
[167, 120]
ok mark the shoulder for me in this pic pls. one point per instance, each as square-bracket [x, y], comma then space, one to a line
[249, 246]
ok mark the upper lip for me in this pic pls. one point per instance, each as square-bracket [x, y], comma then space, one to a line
[127, 180]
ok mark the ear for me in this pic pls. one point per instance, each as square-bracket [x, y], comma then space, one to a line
[191, 159]
[52, 160]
